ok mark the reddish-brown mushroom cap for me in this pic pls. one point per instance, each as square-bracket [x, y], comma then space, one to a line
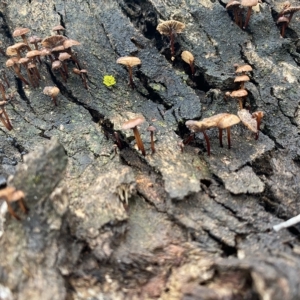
[243, 68]
[19, 31]
[239, 93]
[53, 41]
[242, 78]
[166, 26]
[70, 43]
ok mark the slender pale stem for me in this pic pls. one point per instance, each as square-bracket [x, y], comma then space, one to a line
[139, 141]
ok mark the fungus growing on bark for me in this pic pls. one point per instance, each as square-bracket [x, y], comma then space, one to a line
[25, 61]
[52, 91]
[258, 115]
[83, 74]
[234, 5]
[240, 95]
[10, 194]
[249, 4]
[243, 69]
[13, 63]
[284, 22]
[16, 49]
[34, 40]
[170, 28]
[53, 41]
[132, 124]
[242, 79]
[4, 117]
[129, 62]
[20, 31]
[226, 122]
[63, 56]
[57, 65]
[152, 129]
[58, 28]
[33, 55]
[188, 57]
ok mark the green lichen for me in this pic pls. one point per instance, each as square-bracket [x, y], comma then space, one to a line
[109, 80]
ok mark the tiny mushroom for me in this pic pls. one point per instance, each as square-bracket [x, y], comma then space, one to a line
[52, 91]
[57, 65]
[225, 123]
[258, 116]
[170, 28]
[284, 22]
[10, 194]
[13, 63]
[64, 56]
[188, 57]
[129, 62]
[242, 79]
[83, 74]
[249, 4]
[132, 124]
[4, 118]
[152, 129]
[234, 5]
[58, 28]
[20, 31]
[34, 40]
[239, 95]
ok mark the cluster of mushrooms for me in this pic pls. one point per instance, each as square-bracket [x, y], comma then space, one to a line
[225, 120]
[285, 16]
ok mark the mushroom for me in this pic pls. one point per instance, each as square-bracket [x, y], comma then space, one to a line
[258, 116]
[52, 91]
[284, 22]
[68, 44]
[242, 79]
[35, 72]
[16, 49]
[33, 54]
[24, 61]
[129, 62]
[83, 74]
[188, 57]
[235, 6]
[20, 31]
[132, 124]
[152, 129]
[201, 126]
[239, 95]
[170, 28]
[225, 123]
[4, 118]
[34, 40]
[53, 41]
[243, 69]
[57, 65]
[10, 194]
[249, 4]
[58, 28]
[12, 62]
[62, 57]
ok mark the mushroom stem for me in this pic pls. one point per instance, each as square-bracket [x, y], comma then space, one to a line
[192, 68]
[118, 141]
[54, 100]
[241, 105]
[283, 27]
[248, 17]
[152, 142]
[7, 119]
[189, 139]
[17, 70]
[4, 121]
[258, 121]
[139, 141]
[228, 137]
[207, 142]
[220, 137]
[130, 77]
[290, 222]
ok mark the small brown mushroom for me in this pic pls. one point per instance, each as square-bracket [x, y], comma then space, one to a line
[57, 65]
[240, 96]
[129, 62]
[188, 57]
[58, 28]
[284, 22]
[242, 79]
[243, 69]
[64, 56]
[170, 28]
[152, 129]
[34, 40]
[249, 4]
[52, 91]
[20, 31]
[24, 61]
[234, 5]
[33, 54]
[10, 194]
[225, 123]
[258, 115]
[12, 62]
[53, 41]
[16, 49]
[132, 124]
[4, 119]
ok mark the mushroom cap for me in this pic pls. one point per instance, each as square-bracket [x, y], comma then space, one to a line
[283, 19]
[34, 39]
[13, 50]
[206, 123]
[63, 56]
[249, 3]
[45, 51]
[232, 4]
[56, 65]
[248, 120]
[58, 48]
[19, 31]
[151, 128]
[76, 71]
[166, 27]
[239, 93]
[53, 41]
[51, 91]
[195, 126]
[11, 61]
[187, 56]
[23, 60]
[31, 66]
[129, 61]
[257, 114]
[228, 121]
[58, 27]
[33, 53]
[70, 43]
[291, 9]
[130, 124]
[241, 78]
[244, 68]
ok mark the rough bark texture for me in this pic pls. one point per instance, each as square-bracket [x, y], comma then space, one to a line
[195, 227]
